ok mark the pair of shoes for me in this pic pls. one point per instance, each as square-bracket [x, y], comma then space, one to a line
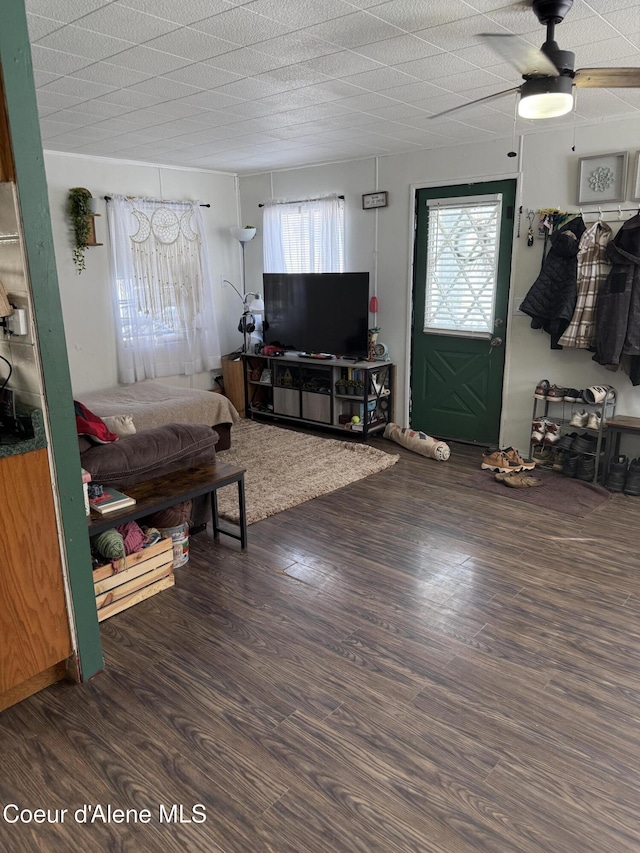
[573, 396]
[544, 431]
[565, 441]
[584, 444]
[519, 480]
[599, 393]
[586, 420]
[624, 476]
[505, 461]
[556, 394]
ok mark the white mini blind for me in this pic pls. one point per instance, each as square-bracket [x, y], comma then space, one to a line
[462, 260]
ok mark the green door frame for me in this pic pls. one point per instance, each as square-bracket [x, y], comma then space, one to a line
[15, 59]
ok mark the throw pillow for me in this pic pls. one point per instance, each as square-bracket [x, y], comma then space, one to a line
[120, 424]
[92, 426]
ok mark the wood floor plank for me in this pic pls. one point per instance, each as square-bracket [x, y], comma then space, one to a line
[406, 664]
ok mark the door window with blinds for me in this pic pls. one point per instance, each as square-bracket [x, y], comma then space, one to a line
[462, 263]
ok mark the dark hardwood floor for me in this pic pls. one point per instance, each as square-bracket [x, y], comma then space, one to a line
[407, 664]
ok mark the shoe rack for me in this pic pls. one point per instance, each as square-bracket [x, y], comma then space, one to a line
[561, 413]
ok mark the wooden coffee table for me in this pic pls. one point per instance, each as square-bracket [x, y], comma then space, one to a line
[163, 492]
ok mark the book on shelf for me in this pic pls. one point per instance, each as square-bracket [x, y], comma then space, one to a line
[110, 500]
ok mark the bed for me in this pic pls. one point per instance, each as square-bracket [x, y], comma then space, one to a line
[152, 404]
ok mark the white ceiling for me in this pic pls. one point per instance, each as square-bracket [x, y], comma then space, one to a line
[268, 84]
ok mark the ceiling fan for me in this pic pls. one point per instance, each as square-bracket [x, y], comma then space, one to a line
[548, 73]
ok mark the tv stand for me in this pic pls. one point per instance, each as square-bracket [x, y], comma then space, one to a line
[303, 390]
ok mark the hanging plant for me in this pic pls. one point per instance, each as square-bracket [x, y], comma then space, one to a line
[80, 216]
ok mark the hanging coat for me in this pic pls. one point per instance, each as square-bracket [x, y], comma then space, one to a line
[593, 268]
[551, 299]
[618, 308]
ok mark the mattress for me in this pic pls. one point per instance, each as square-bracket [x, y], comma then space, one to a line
[152, 404]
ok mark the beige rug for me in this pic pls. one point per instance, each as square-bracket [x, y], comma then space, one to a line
[285, 468]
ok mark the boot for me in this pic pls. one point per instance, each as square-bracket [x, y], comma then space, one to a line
[570, 464]
[586, 469]
[632, 483]
[617, 474]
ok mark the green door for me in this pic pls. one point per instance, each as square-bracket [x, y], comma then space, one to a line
[460, 296]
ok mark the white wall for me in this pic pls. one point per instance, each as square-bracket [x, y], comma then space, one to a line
[86, 300]
[549, 179]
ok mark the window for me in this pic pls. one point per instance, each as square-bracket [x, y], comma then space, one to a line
[304, 236]
[162, 293]
[462, 261]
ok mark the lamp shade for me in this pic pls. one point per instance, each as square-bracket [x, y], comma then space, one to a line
[243, 235]
[545, 97]
[256, 306]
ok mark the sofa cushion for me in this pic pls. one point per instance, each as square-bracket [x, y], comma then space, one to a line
[150, 453]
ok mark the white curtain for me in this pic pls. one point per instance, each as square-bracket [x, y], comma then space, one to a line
[162, 289]
[304, 236]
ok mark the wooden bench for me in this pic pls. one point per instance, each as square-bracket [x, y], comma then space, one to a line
[163, 492]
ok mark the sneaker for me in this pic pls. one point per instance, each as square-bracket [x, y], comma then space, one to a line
[579, 418]
[594, 421]
[572, 395]
[497, 460]
[556, 393]
[599, 393]
[586, 469]
[570, 464]
[543, 456]
[541, 389]
[617, 474]
[632, 483]
[539, 427]
[522, 481]
[552, 434]
[514, 455]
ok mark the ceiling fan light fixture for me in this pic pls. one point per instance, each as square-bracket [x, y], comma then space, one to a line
[545, 97]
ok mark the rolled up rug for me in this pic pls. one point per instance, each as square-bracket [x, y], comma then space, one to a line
[418, 441]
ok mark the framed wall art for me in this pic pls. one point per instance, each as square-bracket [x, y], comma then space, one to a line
[602, 178]
[635, 182]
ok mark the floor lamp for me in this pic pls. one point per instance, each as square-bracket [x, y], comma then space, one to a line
[243, 235]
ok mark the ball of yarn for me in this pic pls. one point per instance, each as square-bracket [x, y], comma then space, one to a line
[173, 516]
[109, 545]
[133, 536]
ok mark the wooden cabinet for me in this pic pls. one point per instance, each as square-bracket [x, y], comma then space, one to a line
[34, 627]
[233, 379]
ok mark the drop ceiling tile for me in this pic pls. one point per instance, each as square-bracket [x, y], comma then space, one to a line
[462, 83]
[461, 34]
[46, 111]
[608, 6]
[332, 90]
[50, 128]
[142, 58]
[82, 42]
[184, 12]
[353, 30]
[481, 55]
[414, 15]
[108, 74]
[599, 103]
[520, 19]
[380, 79]
[41, 78]
[101, 109]
[55, 61]
[202, 76]
[247, 62]
[412, 92]
[396, 112]
[211, 100]
[300, 15]
[368, 101]
[402, 48]
[40, 27]
[77, 88]
[117, 125]
[432, 67]
[191, 44]
[250, 89]
[440, 103]
[294, 47]
[83, 135]
[56, 101]
[77, 118]
[178, 127]
[164, 88]
[572, 33]
[606, 52]
[96, 148]
[176, 109]
[631, 97]
[129, 98]
[242, 26]
[342, 63]
[294, 76]
[62, 10]
[121, 22]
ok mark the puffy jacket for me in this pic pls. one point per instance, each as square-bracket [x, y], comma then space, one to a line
[618, 306]
[551, 299]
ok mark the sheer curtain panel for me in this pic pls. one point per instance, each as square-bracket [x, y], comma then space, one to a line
[162, 290]
[304, 236]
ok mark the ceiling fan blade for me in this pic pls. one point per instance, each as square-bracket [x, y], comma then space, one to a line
[474, 103]
[607, 78]
[526, 58]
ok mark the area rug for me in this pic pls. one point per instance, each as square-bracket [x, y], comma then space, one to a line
[285, 468]
[563, 495]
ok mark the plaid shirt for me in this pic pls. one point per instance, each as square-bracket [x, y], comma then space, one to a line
[593, 268]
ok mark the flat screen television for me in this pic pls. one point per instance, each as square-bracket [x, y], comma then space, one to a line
[318, 312]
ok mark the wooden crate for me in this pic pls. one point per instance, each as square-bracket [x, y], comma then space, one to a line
[147, 572]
